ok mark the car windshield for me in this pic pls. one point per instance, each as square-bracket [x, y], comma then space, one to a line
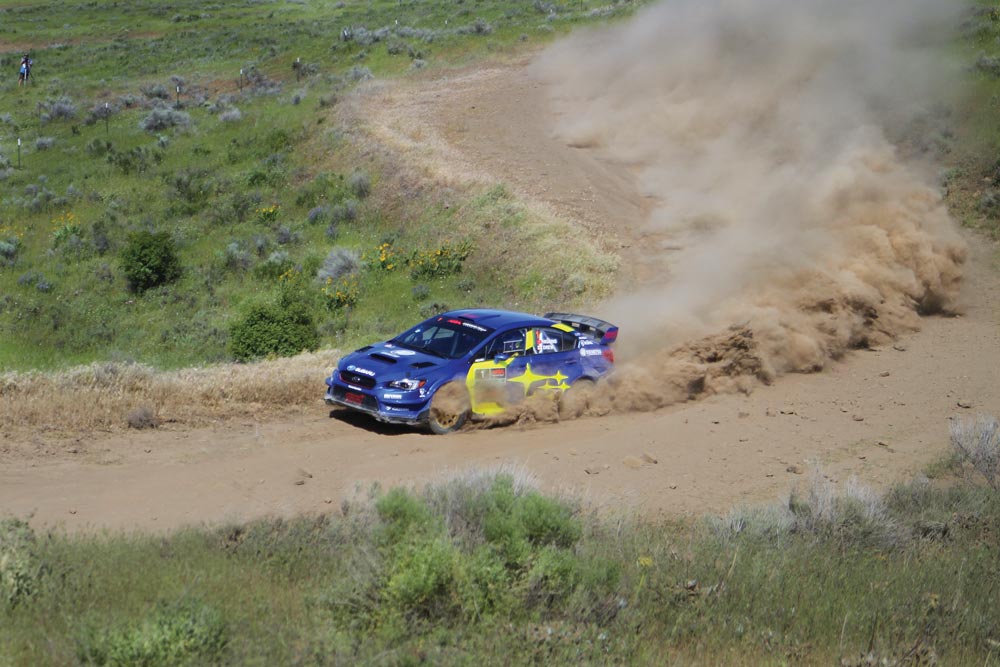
[448, 337]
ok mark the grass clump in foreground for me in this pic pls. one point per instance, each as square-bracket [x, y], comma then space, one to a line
[485, 569]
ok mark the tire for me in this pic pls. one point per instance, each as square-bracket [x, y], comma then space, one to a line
[449, 408]
[575, 400]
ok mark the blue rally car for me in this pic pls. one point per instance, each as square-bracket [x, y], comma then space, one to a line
[471, 363]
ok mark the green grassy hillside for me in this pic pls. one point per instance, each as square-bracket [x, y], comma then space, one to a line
[214, 124]
[969, 134]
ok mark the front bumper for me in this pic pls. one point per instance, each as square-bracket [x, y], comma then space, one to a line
[413, 415]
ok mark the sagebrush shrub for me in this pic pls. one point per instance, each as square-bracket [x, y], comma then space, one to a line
[149, 259]
[235, 258]
[346, 211]
[60, 109]
[977, 443]
[420, 292]
[360, 184]
[161, 119]
[8, 250]
[359, 73]
[286, 235]
[156, 91]
[231, 115]
[339, 262]
[142, 417]
[317, 214]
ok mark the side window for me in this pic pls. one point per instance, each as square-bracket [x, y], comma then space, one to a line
[547, 341]
[509, 343]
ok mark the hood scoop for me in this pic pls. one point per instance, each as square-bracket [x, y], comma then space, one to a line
[383, 357]
[422, 364]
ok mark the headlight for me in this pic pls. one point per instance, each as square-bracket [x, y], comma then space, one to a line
[406, 384]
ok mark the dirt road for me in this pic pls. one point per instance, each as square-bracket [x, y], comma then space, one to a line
[879, 414]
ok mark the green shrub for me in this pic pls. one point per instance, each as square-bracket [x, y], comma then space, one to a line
[277, 264]
[325, 187]
[422, 578]
[402, 512]
[134, 161]
[553, 575]
[186, 633]
[484, 584]
[193, 188]
[548, 521]
[20, 569]
[283, 329]
[342, 294]
[149, 259]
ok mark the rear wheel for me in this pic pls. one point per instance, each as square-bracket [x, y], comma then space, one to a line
[449, 408]
[574, 401]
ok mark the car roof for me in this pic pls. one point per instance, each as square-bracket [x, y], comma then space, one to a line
[499, 319]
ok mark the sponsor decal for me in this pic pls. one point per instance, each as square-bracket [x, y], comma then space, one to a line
[596, 352]
[392, 396]
[400, 353]
[474, 326]
[364, 371]
[351, 367]
[584, 341]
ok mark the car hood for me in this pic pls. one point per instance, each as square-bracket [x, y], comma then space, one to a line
[387, 361]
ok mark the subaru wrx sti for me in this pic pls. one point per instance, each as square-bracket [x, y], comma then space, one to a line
[472, 364]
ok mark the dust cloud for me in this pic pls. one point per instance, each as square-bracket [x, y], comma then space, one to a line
[787, 228]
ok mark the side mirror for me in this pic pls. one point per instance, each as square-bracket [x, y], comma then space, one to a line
[501, 357]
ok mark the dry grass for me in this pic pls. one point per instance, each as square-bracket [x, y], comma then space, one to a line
[103, 395]
[977, 443]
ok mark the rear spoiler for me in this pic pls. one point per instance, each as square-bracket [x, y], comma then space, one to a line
[600, 330]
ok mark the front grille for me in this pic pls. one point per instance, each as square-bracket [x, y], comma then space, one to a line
[357, 379]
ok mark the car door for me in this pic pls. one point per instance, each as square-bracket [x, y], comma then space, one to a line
[502, 359]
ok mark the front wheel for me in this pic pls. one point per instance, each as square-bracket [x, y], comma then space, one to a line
[449, 408]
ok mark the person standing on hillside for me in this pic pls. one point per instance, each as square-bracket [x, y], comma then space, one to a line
[25, 71]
